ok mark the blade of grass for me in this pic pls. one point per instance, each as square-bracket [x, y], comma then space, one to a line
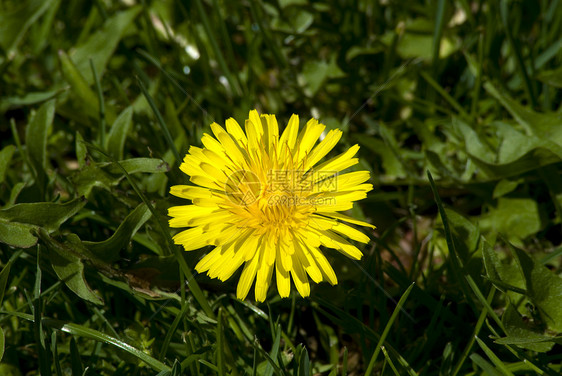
[83, 331]
[220, 343]
[215, 46]
[437, 34]
[157, 64]
[445, 95]
[171, 330]
[494, 358]
[453, 254]
[161, 122]
[44, 362]
[485, 365]
[101, 104]
[529, 90]
[390, 363]
[55, 351]
[476, 331]
[387, 328]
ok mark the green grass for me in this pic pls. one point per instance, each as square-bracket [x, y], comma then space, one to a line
[456, 107]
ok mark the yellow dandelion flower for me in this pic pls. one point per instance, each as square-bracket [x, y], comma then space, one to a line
[263, 202]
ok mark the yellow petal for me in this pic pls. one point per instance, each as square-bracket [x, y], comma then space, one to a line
[236, 131]
[247, 278]
[323, 148]
[289, 136]
[262, 281]
[283, 280]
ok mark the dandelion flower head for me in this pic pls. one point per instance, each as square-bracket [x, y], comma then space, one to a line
[262, 201]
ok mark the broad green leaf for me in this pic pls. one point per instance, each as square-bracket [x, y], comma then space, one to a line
[106, 175]
[17, 221]
[504, 187]
[7, 369]
[100, 45]
[545, 126]
[66, 261]
[359, 50]
[85, 96]
[517, 153]
[108, 250]
[544, 289]
[551, 77]
[15, 22]
[392, 167]
[314, 75]
[522, 333]
[417, 41]
[27, 100]
[81, 150]
[118, 133]
[93, 176]
[36, 135]
[17, 234]
[5, 159]
[516, 218]
[47, 215]
[504, 276]
[137, 165]
[465, 235]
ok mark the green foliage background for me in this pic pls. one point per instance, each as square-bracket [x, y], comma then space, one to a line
[456, 107]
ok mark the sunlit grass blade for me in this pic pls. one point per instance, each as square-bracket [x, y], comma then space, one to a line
[83, 331]
[494, 358]
[387, 328]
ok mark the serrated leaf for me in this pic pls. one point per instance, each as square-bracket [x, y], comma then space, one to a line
[108, 250]
[523, 334]
[66, 261]
[118, 133]
[545, 126]
[504, 276]
[137, 165]
[17, 221]
[108, 174]
[517, 152]
[47, 215]
[36, 136]
[544, 289]
[5, 159]
[100, 45]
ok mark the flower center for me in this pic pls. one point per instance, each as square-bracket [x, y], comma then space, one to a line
[267, 207]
